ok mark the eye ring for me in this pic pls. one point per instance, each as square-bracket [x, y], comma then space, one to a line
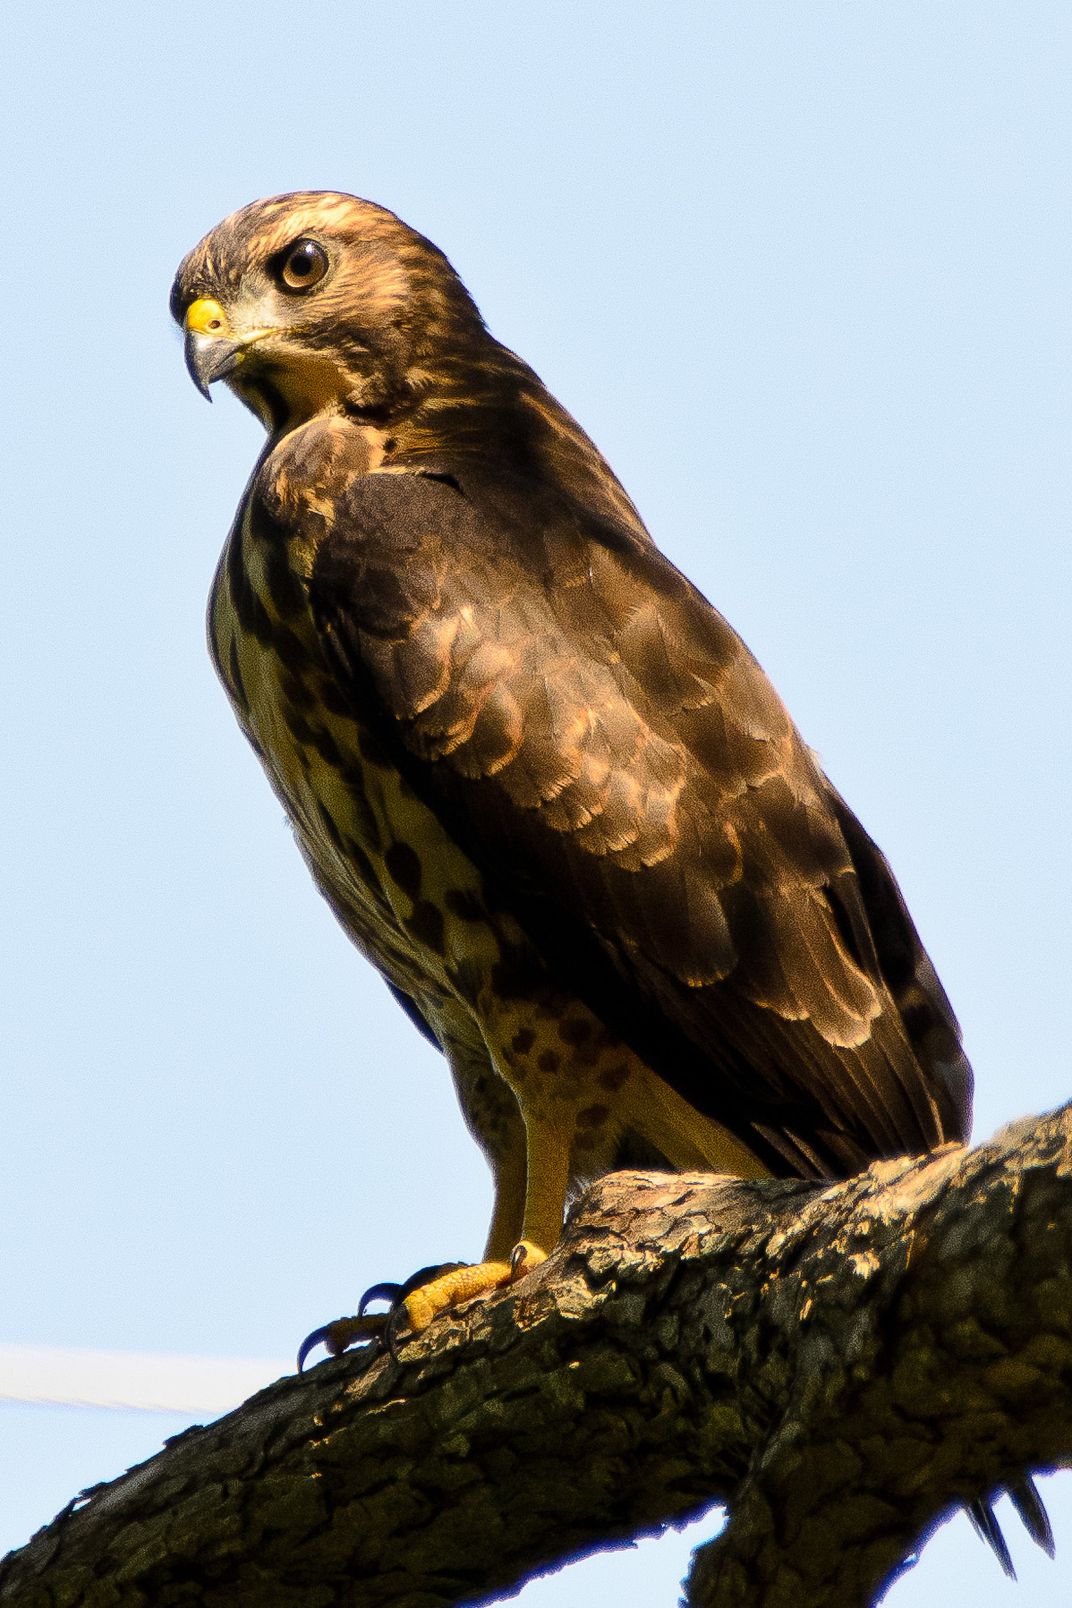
[302, 265]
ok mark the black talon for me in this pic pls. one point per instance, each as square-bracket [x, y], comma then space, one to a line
[340, 1335]
[518, 1258]
[318, 1337]
[391, 1293]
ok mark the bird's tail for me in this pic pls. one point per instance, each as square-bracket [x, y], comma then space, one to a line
[1029, 1505]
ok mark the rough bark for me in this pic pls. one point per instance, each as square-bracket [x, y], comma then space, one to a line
[838, 1365]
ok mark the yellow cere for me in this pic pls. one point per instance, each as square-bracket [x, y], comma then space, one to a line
[206, 317]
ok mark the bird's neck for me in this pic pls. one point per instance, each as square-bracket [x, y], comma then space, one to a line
[490, 410]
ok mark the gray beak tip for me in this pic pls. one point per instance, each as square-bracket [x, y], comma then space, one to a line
[209, 358]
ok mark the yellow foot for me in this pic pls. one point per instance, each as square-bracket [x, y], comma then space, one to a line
[460, 1284]
[419, 1300]
[337, 1337]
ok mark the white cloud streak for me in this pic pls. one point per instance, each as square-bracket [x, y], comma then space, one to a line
[132, 1380]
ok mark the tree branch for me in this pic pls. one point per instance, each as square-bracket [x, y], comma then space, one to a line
[838, 1365]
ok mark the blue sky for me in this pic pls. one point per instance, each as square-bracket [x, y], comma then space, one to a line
[802, 271]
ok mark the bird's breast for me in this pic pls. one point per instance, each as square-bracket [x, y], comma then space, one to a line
[407, 895]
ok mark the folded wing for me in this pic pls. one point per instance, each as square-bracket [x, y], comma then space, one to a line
[605, 748]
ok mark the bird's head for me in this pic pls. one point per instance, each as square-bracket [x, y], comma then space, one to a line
[319, 301]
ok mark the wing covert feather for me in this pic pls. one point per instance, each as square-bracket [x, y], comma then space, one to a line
[606, 748]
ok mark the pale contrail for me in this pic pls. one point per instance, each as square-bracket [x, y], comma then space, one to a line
[151, 1382]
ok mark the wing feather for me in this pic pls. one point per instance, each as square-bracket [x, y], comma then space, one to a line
[604, 746]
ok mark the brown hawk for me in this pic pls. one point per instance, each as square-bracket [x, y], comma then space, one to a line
[544, 786]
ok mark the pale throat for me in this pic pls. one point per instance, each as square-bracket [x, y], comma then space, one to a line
[308, 384]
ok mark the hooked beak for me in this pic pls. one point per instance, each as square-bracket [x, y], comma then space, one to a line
[211, 351]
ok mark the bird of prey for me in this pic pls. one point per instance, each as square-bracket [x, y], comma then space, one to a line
[542, 783]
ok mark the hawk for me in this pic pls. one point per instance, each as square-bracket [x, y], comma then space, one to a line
[542, 783]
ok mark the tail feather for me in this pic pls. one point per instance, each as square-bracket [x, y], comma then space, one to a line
[1029, 1505]
[982, 1516]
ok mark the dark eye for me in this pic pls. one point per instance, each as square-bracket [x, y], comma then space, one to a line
[303, 265]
